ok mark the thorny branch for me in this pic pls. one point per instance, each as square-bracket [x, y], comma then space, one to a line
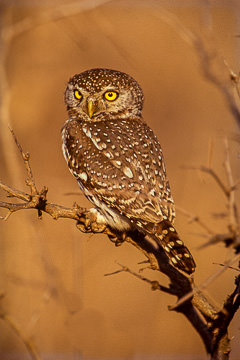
[211, 324]
[154, 284]
[213, 66]
[232, 236]
[224, 317]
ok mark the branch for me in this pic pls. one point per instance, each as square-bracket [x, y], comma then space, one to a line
[55, 14]
[232, 236]
[200, 288]
[36, 199]
[154, 284]
[25, 156]
[39, 202]
[28, 344]
[214, 67]
[190, 302]
[233, 211]
[195, 218]
[214, 175]
[180, 284]
[221, 323]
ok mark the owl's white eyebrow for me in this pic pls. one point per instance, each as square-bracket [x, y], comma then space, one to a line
[110, 87]
[81, 89]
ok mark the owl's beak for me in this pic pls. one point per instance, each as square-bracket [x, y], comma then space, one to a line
[92, 108]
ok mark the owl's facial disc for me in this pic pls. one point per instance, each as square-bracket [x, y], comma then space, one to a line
[102, 93]
[101, 102]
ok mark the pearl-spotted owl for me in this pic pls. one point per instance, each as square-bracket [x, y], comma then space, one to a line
[118, 161]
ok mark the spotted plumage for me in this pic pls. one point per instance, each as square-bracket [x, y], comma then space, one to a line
[118, 161]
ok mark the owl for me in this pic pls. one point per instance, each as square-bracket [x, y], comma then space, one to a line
[118, 161]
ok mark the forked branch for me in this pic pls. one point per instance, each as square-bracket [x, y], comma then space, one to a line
[232, 236]
[209, 323]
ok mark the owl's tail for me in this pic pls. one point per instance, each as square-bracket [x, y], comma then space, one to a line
[174, 248]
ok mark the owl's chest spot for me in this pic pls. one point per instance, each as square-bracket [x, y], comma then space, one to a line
[95, 134]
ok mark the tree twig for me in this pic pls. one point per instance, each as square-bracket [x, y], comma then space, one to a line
[155, 285]
[28, 344]
[195, 218]
[221, 323]
[190, 300]
[232, 237]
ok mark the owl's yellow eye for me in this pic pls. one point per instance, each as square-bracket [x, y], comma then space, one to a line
[111, 95]
[77, 94]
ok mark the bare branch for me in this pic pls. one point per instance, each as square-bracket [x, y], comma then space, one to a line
[180, 284]
[28, 344]
[227, 238]
[233, 212]
[190, 299]
[56, 13]
[232, 237]
[234, 78]
[213, 65]
[229, 267]
[154, 284]
[14, 193]
[39, 202]
[207, 282]
[30, 180]
[196, 219]
[214, 175]
[221, 323]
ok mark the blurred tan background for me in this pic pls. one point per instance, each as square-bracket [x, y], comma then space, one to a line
[52, 276]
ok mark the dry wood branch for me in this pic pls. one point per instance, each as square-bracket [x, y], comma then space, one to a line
[36, 199]
[195, 218]
[214, 67]
[214, 175]
[154, 284]
[233, 211]
[180, 284]
[232, 236]
[234, 78]
[8, 33]
[38, 202]
[221, 323]
[27, 343]
[190, 300]
[53, 14]
[200, 288]
[25, 156]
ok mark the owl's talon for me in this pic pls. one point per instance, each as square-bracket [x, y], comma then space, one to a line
[81, 227]
[87, 223]
[119, 242]
[98, 228]
[117, 239]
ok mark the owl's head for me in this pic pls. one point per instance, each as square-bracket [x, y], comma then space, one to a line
[96, 93]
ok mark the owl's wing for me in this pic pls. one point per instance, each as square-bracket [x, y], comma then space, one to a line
[120, 163]
[120, 167]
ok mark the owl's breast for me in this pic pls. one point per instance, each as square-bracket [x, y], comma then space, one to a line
[76, 146]
[120, 163]
[84, 146]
